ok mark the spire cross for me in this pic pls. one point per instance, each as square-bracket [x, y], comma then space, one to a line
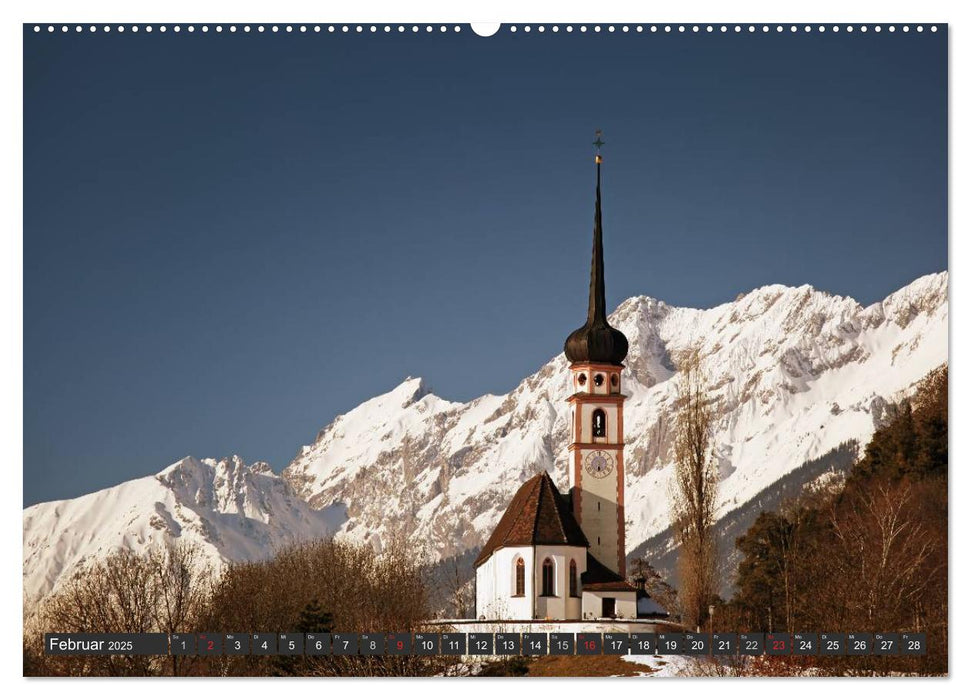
[598, 143]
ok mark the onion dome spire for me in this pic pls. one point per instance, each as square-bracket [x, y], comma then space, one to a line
[597, 340]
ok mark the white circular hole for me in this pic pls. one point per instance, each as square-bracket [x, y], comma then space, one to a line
[485, 29]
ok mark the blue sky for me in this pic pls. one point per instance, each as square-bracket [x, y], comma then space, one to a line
[229, 239]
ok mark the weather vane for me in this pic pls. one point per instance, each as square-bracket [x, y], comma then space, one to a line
[598, 143]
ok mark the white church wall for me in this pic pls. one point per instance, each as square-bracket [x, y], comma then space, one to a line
[495, 586]
[560, 606]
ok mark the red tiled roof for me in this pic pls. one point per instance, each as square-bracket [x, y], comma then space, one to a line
[598, 577]
[537, 514]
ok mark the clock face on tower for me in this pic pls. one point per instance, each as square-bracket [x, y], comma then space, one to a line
[599, 464]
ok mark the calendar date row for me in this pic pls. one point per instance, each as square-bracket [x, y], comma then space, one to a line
[489, 644]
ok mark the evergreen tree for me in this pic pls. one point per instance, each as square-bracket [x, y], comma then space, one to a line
[313, 618]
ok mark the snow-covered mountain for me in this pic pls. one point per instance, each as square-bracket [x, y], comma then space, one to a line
[232, 511]
[795, 372]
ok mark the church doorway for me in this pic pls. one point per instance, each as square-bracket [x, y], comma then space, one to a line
[609, 607]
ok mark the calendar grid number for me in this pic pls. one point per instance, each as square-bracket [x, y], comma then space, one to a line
[426, 643]
[589, 644]
[751, 643]
[616, 643]
[508, 643]
[263, 644]
[481, 644]
[697, 643]
[236, 645]
[777, 644]
[536, 644]
[562, 643]
[454, 644]
[913, 643]
[859, 643]
[724, 643]
[805, 644]
[344, 643]
[644, 643]
[670, 643]
[317, 644]
[290, 644]
[832, 644]
[209, 644]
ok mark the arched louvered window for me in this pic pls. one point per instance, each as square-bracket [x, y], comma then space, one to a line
[549, 587]
[520, 577]
[573, 578]
[599, 423]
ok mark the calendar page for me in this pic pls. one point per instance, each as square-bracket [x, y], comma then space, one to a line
[396, 349]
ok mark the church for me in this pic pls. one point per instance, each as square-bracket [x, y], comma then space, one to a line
[557, 556]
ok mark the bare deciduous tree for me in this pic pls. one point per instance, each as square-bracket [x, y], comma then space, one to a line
[693, 492]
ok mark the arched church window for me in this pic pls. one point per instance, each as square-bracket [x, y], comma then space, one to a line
[598, 379]
[549, 589]
[582, 379]
[573, 578]
[599, 423]
[520, 577]
[614, 380]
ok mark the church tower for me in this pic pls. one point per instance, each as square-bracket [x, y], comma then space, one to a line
[596, 352]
